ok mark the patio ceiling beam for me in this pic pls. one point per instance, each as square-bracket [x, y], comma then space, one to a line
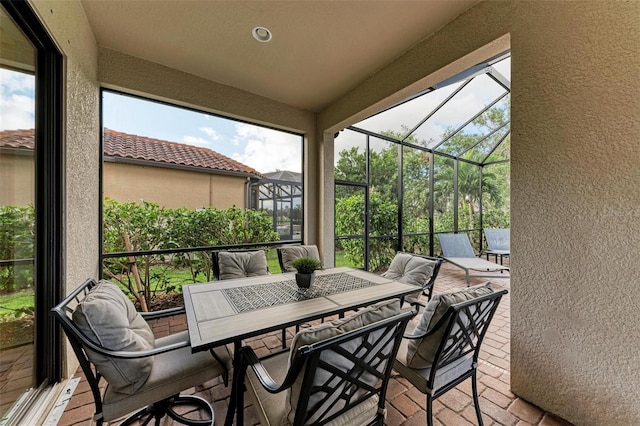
[499, 78]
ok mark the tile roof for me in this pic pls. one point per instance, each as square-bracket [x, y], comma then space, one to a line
[123, 145]
[16, 139]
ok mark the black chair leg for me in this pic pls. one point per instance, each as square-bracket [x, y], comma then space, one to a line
[166, 407]
[429, 410]
[474, 387]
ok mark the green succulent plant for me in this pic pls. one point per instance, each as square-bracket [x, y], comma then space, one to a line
[306, 265]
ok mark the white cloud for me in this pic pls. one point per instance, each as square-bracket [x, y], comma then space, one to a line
[268, 150]
[193, 140]
[210, 132]
[200, 141]
[17, 106]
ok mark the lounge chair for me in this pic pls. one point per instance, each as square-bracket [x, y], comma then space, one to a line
[457, 250]
[498, 242]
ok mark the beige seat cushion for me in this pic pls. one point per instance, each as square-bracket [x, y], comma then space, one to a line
[272, 408]
[289, 254]
[421, 352]
[320, 332]
[242, 264]
[172, 373]
[419, 376]
[107, 317]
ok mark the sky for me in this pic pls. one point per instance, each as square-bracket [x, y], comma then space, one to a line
[16, 100]
[264, 149]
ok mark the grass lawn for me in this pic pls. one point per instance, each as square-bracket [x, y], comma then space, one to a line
[16, 302]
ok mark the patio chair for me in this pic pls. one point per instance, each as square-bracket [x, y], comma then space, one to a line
[335, 373]
[114, 342]
[457, 250]
[442, 351]
[288, 254]
[498, 242]
[415, 269]
[239, 264]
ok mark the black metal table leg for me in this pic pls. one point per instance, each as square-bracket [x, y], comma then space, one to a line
[231, 410]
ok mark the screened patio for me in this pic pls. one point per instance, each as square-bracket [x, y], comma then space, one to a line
[572, 185]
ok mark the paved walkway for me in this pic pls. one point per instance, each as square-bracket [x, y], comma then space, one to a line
[405, 403]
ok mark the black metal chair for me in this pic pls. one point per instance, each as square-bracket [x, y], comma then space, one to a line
[340, 379]
[288, 254]
[415, 269]
[446, 354]
[113, 342]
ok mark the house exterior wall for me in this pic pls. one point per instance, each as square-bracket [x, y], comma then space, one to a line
[18, 179]
[574, 194]
[172, 188]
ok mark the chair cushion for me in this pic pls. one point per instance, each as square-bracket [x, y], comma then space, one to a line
[289, 254]
[172, 373]
[107, 317]
[272, 408]
[421, 352]
[420, 376]
[320, 332]
[242, 264]
[410, 269]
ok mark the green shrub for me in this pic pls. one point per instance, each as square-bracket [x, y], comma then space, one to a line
[149, 226]
[17, 241]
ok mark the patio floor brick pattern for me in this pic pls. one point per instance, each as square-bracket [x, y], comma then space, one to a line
[405, 404]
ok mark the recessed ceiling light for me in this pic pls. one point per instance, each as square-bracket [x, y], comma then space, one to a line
[261, 34]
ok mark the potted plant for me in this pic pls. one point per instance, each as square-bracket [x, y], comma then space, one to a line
[306, 267]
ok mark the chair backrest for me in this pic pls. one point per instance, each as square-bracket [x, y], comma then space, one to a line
[288, 254]
[345, 372]
[455, 245]
[238, 264]
[415, 269]
[89, 352]
[465, 325]
[498, 238]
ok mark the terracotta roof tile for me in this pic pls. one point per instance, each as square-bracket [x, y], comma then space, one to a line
[17, 139]
[118, 144]
[123, 145]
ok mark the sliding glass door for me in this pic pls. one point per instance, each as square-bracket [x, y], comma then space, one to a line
[30, 208]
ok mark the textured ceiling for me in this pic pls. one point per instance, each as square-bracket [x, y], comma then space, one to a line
[320, 49]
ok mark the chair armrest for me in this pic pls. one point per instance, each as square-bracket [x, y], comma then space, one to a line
[130, 354]
[250, 359]
[163, 313]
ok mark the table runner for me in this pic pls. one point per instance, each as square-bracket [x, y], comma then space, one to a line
[259, 296]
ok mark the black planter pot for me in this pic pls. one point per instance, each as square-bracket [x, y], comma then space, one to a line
[304, 280]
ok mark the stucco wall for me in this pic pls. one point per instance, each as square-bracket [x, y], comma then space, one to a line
[575, 195]
[68, 26]
[575, 302]
[171, 187]
[18, 179]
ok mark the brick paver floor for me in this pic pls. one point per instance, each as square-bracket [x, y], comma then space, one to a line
[405, 403]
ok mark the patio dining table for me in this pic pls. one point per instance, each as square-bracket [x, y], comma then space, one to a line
[230, 311]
